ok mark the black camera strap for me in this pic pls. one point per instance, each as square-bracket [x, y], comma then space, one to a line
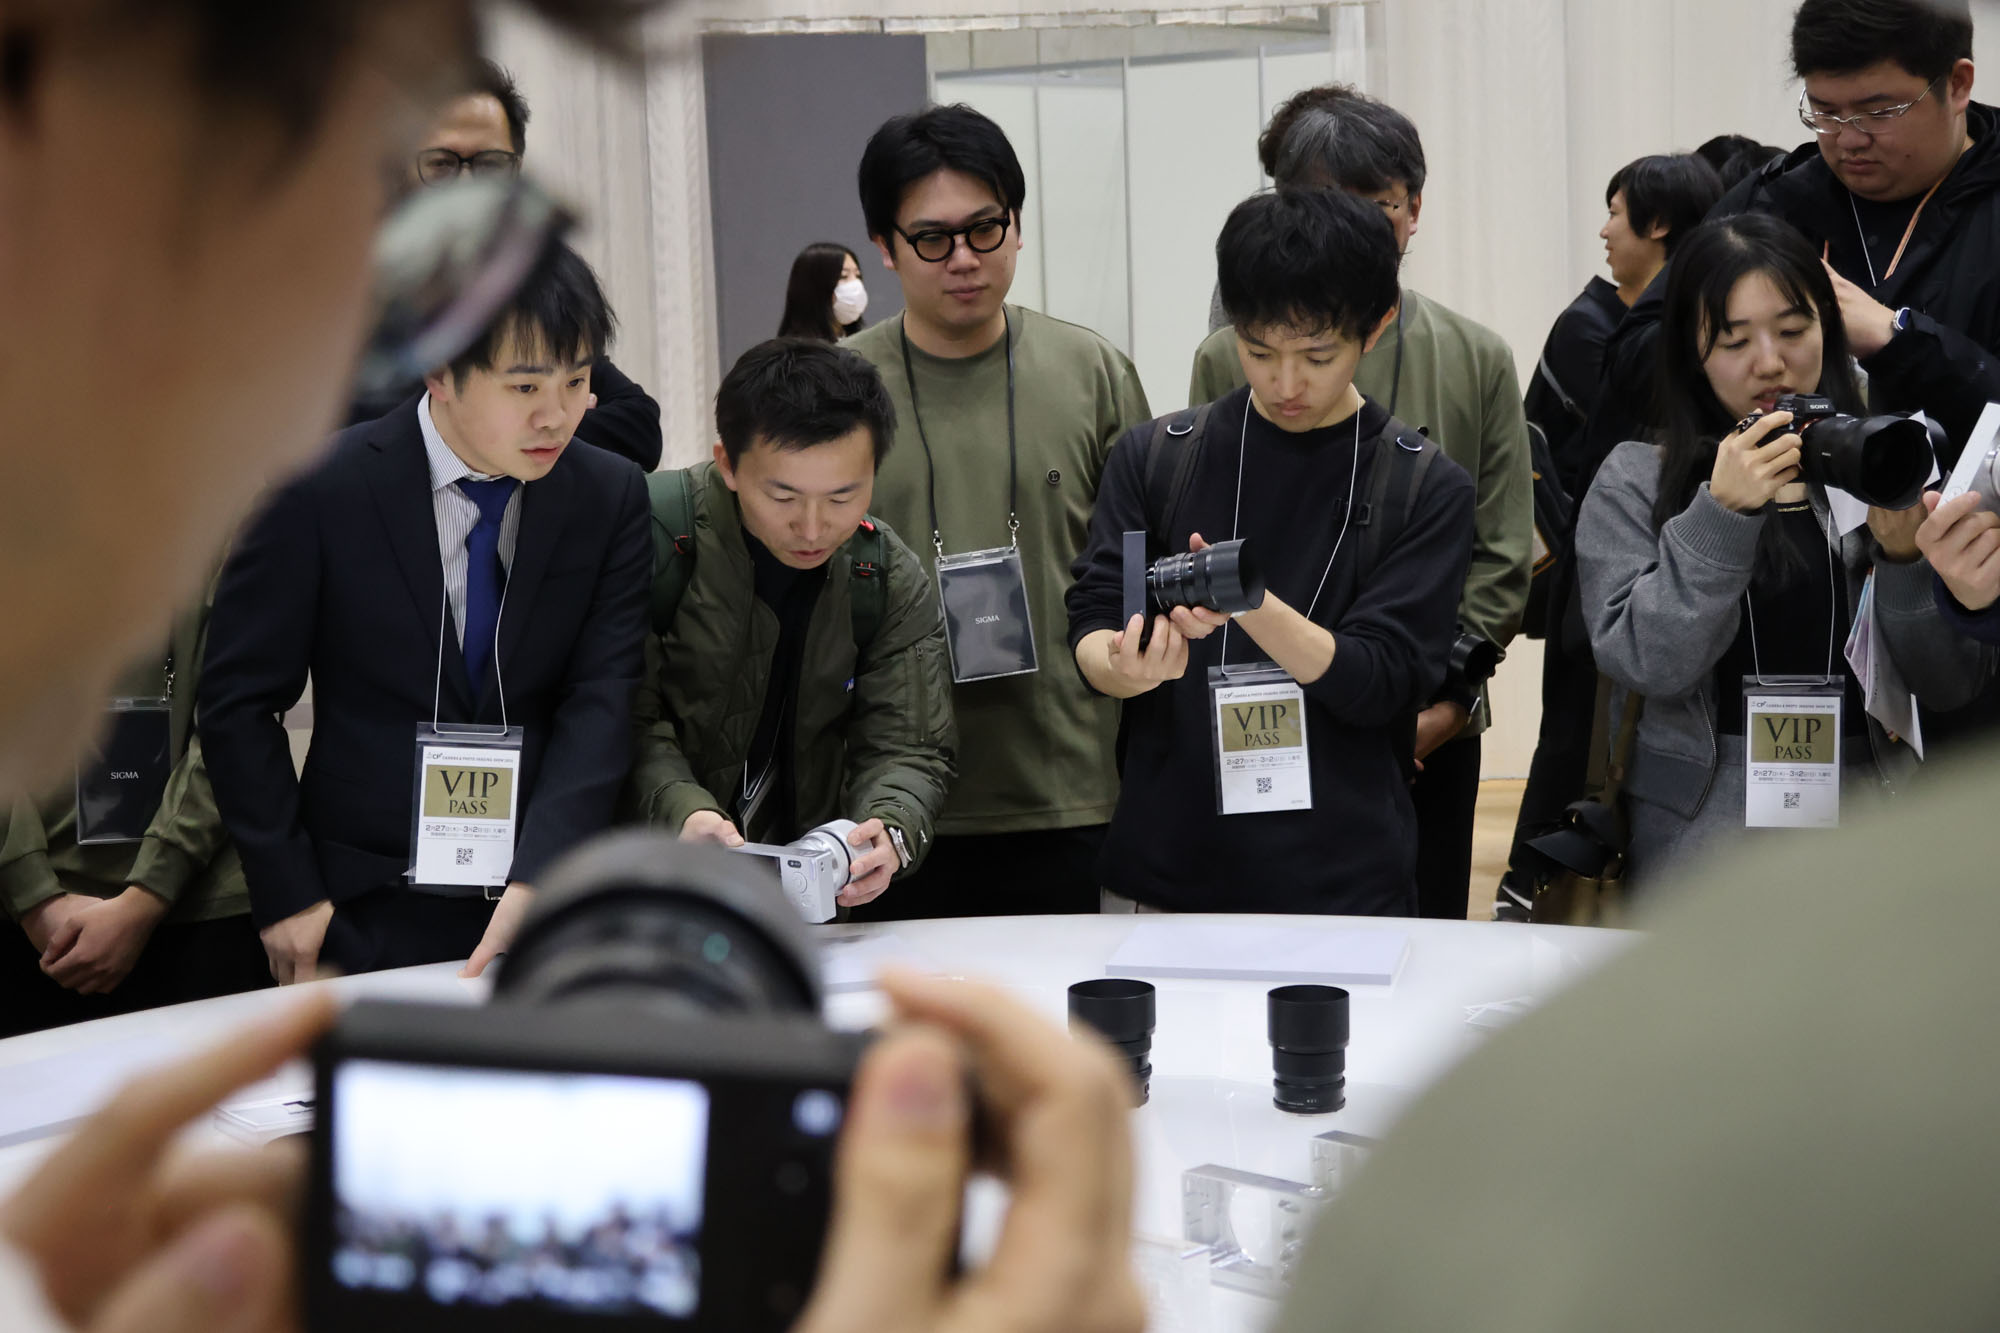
[1346, 512]
[930, 462]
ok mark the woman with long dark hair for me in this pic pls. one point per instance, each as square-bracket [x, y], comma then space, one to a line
[825, 298]
[1716, 580]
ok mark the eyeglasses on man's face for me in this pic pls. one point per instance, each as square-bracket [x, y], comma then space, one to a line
[435, 166]
[934, 245]
[1868, 122]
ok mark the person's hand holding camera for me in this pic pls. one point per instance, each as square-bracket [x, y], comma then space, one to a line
[1197, 622]
[711, 826]
[872, 870]
[1961, 539]
[129, 1237]
[1754, 462]
[1058, 1110]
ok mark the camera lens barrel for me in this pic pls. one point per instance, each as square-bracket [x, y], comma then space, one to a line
[1224, 577]
[1121, 1010]
[1308, 1028]
[1882, 461]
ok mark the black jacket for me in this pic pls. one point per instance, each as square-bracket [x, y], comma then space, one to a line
[339, 576]
[625, 421]
[1946, 363]
[1564, 387]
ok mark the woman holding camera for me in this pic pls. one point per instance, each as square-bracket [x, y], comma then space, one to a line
[1718, 586]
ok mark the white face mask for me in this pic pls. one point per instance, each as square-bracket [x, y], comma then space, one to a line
[850, 299]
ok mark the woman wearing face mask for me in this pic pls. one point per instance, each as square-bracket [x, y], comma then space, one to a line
[825, 298]
[1709, 568]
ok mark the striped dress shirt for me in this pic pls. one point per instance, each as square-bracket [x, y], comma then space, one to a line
[456, 514]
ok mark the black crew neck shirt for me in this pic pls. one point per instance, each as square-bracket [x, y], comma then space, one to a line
[1355, 850]
[1794, 622]
[791, 594]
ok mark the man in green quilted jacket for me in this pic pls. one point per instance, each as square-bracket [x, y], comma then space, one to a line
[797, 669]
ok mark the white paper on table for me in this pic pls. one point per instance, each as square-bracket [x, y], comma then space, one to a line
[266, 1119]
[1256, 953]
[851, 962]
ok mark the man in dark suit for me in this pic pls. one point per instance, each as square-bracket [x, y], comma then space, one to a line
[485, 131]
[453, 565]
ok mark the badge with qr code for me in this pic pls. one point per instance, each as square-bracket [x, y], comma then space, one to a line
[467, 798]
[1791, 753]
[1260, 744]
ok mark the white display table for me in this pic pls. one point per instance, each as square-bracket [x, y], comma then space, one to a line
[1211, 1059]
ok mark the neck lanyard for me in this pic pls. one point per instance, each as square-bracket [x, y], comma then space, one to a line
[1346, 512]
[1832, 618]
[1908, 232]
[437, 683]
[930, 463]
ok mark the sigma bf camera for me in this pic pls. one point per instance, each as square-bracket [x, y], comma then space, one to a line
[1881, 461]
[637, 1131]
[813, 869]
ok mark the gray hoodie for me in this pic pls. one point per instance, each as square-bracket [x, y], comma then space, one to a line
[1663, 609]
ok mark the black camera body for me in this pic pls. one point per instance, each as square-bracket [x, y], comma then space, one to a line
[638, 1129]
[1882, 461]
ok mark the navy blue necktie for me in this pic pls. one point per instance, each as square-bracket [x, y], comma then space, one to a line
[485, 575]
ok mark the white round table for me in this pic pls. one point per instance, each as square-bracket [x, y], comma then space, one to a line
[1211, 1090]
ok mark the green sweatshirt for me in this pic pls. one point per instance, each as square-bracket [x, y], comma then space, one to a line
[1458, 382]
[185, 857]
[1035, 751]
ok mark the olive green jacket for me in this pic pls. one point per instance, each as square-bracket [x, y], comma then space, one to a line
[872, 725]
[185, 858]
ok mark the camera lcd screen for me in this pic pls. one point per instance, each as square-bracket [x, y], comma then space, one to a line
[519, 1190]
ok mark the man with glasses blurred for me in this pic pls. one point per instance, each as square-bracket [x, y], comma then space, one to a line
[484, 133]
[1004, 419]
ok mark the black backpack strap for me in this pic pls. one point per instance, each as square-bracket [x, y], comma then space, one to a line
[671, 495]
[868, 582]
[1402, 460]
[1170, 459]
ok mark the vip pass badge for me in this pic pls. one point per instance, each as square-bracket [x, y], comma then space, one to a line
[1262, 754]
[1792, 752]
[1792, 734]
[463, 820]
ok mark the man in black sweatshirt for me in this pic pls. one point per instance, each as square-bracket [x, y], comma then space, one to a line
[1267, 757]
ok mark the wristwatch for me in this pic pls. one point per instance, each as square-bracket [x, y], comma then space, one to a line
[1901, 322]
[902, 848]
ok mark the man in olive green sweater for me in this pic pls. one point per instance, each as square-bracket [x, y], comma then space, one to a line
[1006, 417]
[100, 928]
[796, 670]
[1453, 378]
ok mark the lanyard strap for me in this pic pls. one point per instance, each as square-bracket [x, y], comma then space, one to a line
[930, 463]
[1908, 232]
[1346, 512]
[1832, 619]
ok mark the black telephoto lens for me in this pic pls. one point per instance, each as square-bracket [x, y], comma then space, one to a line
[1882, 461]
[1309, 1048]
[1224, 577]
[1121, 1011]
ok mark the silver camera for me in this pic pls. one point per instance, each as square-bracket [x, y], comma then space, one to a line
[813, 868]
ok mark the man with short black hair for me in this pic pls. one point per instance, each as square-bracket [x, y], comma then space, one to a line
[484, 132]
[796, 669]
[1005, 417]
[468, 593]
[1455, 379]
[1362, 529]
